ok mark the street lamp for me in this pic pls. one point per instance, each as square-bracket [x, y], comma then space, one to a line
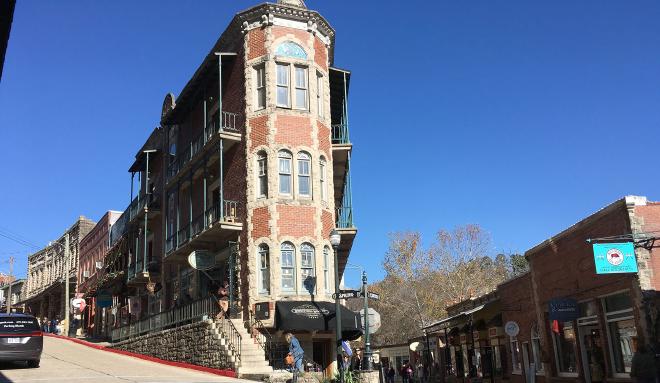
[335, 239]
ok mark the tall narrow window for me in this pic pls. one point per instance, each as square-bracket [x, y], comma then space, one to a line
[324, 192]
[565, 347]
[304, 172]
[260, 74]
[301, 87]
[262, 175]
[288, 255]
[308, 282]
[515, 355]
[326, 269]
[536, 349]
[621, 331]
[283, 98]
[319, 94]
[264, 269]
[285, 159]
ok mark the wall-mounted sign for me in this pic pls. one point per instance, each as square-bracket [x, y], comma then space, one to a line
[104, 298]
[201, 260]
[613, 258]
[511, 328]
[563, 309]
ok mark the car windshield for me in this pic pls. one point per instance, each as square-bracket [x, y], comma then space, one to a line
[18, 325]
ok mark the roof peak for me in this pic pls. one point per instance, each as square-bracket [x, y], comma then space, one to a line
[295, 3]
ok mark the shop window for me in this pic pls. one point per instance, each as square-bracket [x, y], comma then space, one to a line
[564, 342]
[620, 331]
[516, 359]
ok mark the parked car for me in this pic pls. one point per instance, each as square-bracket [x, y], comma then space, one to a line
[21, 339]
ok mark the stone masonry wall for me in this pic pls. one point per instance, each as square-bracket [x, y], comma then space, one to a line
[194, 343]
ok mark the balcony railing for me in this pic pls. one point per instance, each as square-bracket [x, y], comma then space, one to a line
[119, 228]
[203, 308]
[228, 123]
[345, 217]
[202, 223]
[340, 134]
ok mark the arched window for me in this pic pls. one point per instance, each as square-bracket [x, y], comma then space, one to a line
[291, 49]
[285, 159]
[264, 269]
[326, 269]
[307, 273]
[304, 174]
[288, 255]
[262, 175]
[323, 182]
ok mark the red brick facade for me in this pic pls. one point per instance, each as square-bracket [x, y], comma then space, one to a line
[296, 221]
[293, 130]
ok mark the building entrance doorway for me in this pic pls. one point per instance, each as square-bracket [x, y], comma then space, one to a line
[591, 342]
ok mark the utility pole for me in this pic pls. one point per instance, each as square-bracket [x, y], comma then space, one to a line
[66, 284]
[366, 363]
[8, 298]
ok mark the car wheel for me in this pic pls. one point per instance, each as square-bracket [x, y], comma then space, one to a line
[33, 363]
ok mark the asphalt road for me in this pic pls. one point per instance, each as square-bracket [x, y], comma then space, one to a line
[64, 361]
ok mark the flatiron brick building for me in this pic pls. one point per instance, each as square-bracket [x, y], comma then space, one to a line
[249, 172]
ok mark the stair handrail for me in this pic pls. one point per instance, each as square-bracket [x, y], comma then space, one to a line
[229, 330]
[253, 324]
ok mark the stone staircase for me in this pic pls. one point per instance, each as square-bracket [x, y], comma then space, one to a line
[253, 363]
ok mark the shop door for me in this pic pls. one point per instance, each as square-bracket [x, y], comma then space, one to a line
[591, 343]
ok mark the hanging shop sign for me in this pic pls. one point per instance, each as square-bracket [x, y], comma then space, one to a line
[563, 309]
[201, 260]
[614, 258]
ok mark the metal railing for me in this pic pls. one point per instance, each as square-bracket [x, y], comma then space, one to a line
[201, 223]
[228, 123]
[340, 134]
[204, 308]
[119, 228]
[344, 217]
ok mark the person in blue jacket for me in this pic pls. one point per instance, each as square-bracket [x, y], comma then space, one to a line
[296, 351]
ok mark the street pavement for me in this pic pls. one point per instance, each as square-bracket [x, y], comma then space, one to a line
[64, 361]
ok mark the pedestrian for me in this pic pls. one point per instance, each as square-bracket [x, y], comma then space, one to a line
[389, 376]
[421, 376]
[644, 368]
[297, 352]
[406, 372]
[223, 300]
[44, 324]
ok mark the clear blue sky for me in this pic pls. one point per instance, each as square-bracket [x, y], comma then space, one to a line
[520, 116]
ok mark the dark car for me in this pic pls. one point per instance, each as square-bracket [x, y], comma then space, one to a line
[20, 339]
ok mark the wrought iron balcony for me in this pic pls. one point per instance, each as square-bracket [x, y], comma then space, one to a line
[119, 228]
[340, 134]
[229, 123]
[344, 217]
[202, 224]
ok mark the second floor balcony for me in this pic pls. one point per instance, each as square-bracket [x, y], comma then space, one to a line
[213, 228]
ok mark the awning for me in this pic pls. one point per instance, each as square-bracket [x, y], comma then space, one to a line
[316, 316]
[453, 320]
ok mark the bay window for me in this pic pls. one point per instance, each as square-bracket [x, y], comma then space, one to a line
[304, 173]
[300, 92]
[288, 265]
[307, 267]
[285, 159]
[283, 83]
[260, 94]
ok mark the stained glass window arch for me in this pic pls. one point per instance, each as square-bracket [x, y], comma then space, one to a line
[291, 49]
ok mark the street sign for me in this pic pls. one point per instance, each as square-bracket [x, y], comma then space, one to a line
[374, 320]
[373, 296]
[345, 294]
[511, 328]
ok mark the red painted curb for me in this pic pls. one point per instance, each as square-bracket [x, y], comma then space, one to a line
[228, 373]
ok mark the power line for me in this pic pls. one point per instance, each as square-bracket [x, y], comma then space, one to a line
[18, 240]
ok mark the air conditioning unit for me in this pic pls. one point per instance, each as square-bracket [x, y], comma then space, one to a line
[86, 274]
[99, 265]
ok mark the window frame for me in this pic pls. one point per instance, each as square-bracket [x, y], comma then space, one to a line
[326, 269]
[609, 320]
[285, 155]
[303, 157]
[260, 87]
[323, 179]
[307, 248]
[555, 341]
[288, 246]
[291, 85]
[535, 339]
[514, 370]
[320, 92]
[262, 174]
[261, 249]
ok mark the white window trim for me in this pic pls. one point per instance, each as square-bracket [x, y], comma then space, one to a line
[304, 156]
[293, 267]
[313, 267]
[260, 249]
[323, 179]
[262, 156]
[320, 92]
[326, 269]
[261, 67]
[291, 173]
[292, 85]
